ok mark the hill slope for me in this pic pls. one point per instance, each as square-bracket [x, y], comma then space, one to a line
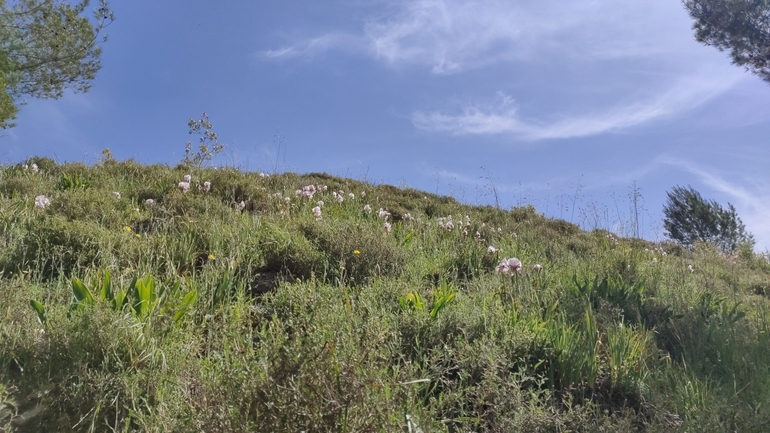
[249, 305]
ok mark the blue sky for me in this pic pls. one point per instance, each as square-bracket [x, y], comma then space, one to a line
[562, 105]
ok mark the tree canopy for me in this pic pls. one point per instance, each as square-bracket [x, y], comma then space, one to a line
[46, 47]
[689, 218]
[739, 26]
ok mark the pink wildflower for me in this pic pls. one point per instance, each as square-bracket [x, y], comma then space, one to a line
[509, 266]
[41, 202]
[446, 223]
[306, 191]
[317, 213]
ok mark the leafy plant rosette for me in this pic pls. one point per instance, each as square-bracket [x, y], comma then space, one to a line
[143, 298]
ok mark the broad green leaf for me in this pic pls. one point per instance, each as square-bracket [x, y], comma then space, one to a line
[119, 300]
[38, 307]
[440, 304]
[132, 284]
[81, 292]
[145, 296]
[187, 302]
[412, 301]
[106, 292]
[176, 287]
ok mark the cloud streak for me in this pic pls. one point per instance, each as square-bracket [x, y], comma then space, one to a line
[451, 36]
[502, 116]
[311, 47]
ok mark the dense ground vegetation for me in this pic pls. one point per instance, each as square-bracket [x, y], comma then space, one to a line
[244, 304]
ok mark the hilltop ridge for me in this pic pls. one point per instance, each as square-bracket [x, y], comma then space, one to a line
[233, 301]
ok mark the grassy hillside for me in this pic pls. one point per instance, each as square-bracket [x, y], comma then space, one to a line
[244, 308]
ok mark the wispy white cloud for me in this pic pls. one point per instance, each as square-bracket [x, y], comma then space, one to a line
[502, 116]
[750, 198]
[446, 35]
[311, 47]
[451, 36]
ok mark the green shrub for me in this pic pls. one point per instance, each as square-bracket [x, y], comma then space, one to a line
[355, 251]
[19, 186]
[96, 206]
[54, 246]
[292, 253]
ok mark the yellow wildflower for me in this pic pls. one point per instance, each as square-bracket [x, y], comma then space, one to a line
[127, 229]
[138, 235]
[356, 252]
[211, 256]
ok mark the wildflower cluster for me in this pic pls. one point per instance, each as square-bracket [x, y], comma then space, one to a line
[653, 252]
[42, 202]
[31, 168]
[279, 196]
[317, 213]
[509, 266]
[307, 192]
[382, 213]
[184, 185]
[446, 223]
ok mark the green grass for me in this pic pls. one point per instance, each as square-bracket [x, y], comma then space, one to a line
[338, 325]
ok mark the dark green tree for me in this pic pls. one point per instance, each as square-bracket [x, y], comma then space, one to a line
[741, 27]
[46, 47]
[689, 218]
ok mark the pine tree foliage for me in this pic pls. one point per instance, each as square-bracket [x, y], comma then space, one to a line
[741, 27]
[46, 47]
[689, 218]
